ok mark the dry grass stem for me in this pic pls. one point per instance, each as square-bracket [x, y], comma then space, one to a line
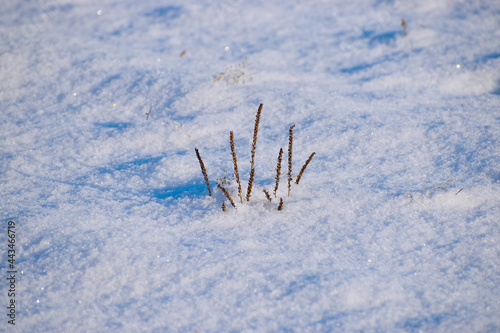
[250, 183]
[443, 186]
[255, 132]
[235, 162]
[226, 194]
[204, 171]
[254, 145]
[223, 206]
[290, 145]
[280, 206]
[268, 197]
[304, 168]
[178, 127]
[278, 171]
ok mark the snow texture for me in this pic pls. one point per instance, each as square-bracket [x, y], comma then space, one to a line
[115, 228]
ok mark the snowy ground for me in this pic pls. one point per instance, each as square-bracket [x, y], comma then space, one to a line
[115, 228]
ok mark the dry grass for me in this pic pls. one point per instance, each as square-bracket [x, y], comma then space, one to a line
[203, 170]
[290, 148]
[280, 206]
[235, 163]
[278, 171]
[226, 194]
[223, 189]
[234, 74]
[304, 168]
[268, 197]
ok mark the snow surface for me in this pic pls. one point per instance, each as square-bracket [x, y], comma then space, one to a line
[117, 233]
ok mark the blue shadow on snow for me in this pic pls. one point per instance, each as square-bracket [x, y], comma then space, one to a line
[386, 38]
[170, 12]
[161, 195]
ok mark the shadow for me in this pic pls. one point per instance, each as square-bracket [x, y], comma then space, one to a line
[428, 323]
[497, 89]
[300, 283]
[357, 68]
[114, 125]
[104, 84]
[386, 38]
[165, 12]
[394, 57]
[177, 192]
[490, 56]
[138, 166]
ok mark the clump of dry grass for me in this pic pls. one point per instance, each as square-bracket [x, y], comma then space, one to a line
[431, 190]
[223, 189]
[234, 74]
[178, 127]
[443, 186]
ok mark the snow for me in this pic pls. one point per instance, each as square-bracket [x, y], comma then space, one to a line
[115, 228]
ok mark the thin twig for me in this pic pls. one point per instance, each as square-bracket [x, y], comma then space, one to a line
[250, 183]
[254, 145]
[290, 145]
[179, 127]
[278, 171]
[255, 132]
[204, 171]
[304, 168]
[268, 197]
[280, 206]
[223, 206]
[226, 194]
[443, 186]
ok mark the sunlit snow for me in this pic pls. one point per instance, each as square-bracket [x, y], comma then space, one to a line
[394, 227]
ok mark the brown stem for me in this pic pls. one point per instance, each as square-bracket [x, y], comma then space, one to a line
[278, 171]
[250, 183]
[304, 168]
[235, 163]
[290, 145]
[226, 194]
[280, 206]
[268, 197]
[204, 171]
